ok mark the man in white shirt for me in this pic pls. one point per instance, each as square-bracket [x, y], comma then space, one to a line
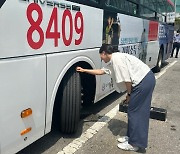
[139, 82]
[176, 44]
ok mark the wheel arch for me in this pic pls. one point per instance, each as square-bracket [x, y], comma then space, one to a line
[79, 61]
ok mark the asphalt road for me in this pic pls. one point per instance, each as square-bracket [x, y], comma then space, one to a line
[102, 124]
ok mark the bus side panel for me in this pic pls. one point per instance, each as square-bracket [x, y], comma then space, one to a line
[152, 53]
[166, 33]
[75, 29]
[22, 86]
[153, 43]
[170, 40]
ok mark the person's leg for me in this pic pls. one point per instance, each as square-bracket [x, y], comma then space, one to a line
[177, 50]
[139, 112]
[174, 46]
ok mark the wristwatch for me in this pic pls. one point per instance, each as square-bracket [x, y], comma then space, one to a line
[129, 94]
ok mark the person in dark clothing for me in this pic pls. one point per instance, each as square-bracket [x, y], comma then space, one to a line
[176, 44]
[116, 34]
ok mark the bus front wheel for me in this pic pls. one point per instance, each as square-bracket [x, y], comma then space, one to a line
[70, 102]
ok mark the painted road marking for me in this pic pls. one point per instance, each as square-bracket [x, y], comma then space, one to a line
[76, 144]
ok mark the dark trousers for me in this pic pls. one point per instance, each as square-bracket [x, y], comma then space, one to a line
[175, 46]
[139, 111]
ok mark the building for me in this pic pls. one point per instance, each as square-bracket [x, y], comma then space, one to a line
[177, 9]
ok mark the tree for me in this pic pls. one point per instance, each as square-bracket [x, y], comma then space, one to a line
[177, 23]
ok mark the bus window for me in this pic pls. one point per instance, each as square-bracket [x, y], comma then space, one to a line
[149, 3]
[133, 8]
[135, 1]
[123, 5]
[94, 3]
[145, 12]
[161, 8]
[97, 1]
[116, 4]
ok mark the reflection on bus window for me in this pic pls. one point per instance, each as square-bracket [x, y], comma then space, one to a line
[145, 12]
[123, 5]
[97, 1]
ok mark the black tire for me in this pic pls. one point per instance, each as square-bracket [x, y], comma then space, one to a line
[70, 102]
[159, 62]
[88, 89]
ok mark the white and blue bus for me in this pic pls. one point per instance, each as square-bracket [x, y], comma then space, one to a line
[42, 42]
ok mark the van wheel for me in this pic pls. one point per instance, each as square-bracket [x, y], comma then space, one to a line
[70, 102]
[159, 62]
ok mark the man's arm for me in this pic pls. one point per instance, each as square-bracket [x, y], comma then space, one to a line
[128, 87]
[90, 71]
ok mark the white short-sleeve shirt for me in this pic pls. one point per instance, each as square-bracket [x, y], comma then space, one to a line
[125, 68]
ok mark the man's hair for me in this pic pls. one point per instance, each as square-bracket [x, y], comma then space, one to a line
[107, 48]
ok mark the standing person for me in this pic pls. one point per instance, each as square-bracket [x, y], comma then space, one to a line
[116, 33]
[109, 30]
[142, 55]
[176, 44]
[139, 82]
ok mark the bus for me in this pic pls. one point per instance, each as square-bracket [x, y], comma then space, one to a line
[43, 41]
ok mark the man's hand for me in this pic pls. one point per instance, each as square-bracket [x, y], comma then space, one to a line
[126, 101]
[80, 69]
